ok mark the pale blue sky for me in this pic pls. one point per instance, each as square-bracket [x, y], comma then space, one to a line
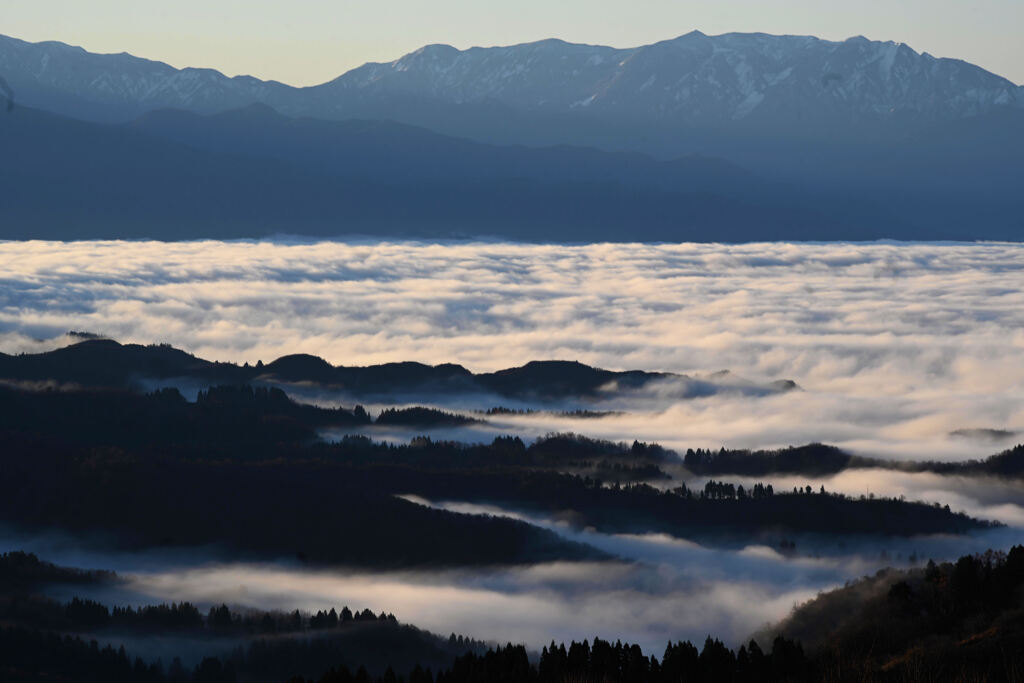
[303, 42]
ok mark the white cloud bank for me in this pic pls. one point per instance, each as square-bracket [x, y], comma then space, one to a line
[895, 345]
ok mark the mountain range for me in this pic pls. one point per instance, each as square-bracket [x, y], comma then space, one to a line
[780, 82]
[733, 137]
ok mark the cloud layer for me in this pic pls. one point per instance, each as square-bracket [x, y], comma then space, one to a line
[896, 345]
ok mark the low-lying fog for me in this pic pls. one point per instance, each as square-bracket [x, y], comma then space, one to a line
[895, 345]
[661, 589]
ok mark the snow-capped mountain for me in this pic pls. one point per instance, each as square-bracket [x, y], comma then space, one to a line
[72, 81]
[694, 80]
[747, 136]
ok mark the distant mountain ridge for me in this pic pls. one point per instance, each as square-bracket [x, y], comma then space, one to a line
[698, 79]
[385, 150]
[746, 136]
[250, 173]
[109, 87]
[694, 79]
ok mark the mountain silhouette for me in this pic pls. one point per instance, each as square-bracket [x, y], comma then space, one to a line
[105, 363]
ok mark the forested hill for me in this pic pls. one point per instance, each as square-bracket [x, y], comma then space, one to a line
[243, 469]
[104, 363]
[960, 620]
[818, 459]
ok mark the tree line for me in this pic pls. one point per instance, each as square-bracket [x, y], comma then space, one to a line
[32, 655]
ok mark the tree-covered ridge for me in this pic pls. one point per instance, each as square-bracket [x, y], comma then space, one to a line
[1008, 463]
[84, 615]
[961, 620]
[104, 363]
[42, 638]
[27, 655]
[320, 513]
[719, 511]
[822, 459]
[421, 417]
[578, 413]
[231, 395]
[328, 645]
[207, 472]
[812, 459]
[953, 621]
[19, 570]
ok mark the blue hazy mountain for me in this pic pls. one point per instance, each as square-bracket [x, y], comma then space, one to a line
[394, 152]
[791, 85]
[173, 175]
[798, 137]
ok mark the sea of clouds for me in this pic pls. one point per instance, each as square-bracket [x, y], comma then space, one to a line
[894, 345]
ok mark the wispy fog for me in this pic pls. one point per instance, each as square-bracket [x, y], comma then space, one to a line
[661, 589]
[817, 559]
[531, 605]
[680, 590]
[895, 345]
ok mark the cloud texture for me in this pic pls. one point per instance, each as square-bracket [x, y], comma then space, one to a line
[896, 345]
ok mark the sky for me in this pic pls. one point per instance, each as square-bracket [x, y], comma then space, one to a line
[305, 42]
